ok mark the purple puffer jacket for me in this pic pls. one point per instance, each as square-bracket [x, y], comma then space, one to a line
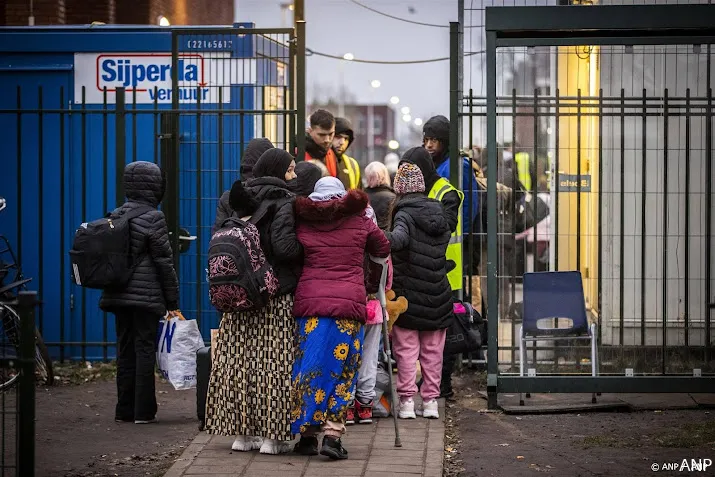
[335, 236]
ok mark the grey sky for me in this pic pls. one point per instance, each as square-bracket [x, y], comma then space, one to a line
[339, 26]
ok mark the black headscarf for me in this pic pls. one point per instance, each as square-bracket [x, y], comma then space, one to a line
[420, 157]
[255, 148]
[273, 163]
[308, 174]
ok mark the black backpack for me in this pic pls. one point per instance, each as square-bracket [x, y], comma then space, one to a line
[240, 278]
[101, 255]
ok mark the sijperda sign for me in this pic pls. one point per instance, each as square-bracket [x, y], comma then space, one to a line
[149, 75]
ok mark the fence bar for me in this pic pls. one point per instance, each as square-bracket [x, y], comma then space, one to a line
[644, 222]
[199, 261]
[600, 216]
[26, 399]
[578, 182]
[156, 124]
[40, 199]
[134, 125]
[535, 180]
[556, 186]
[470, 245]
[708, 215]
[83, 165]
[61, 241]
[105, 206]
[300, 87]
[686, 304]
[220, 141]
[622, 227]
[492, 252]
[120, 131]
[19, 175]
[512, 256]
[665, 224]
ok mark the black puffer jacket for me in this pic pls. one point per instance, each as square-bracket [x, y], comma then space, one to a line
[255, 148]
[276, 224]
[153, 286]
[381, 199]
[419, 240]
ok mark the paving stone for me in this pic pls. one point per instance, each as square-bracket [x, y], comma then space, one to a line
[215, 469]
[395, 468]
[276, 466]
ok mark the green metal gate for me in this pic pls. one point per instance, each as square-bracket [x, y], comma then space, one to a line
[229, 85]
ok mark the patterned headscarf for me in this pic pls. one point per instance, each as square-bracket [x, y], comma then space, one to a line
[409, 179]
[328, 188]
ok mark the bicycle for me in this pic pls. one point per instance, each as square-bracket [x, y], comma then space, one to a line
[10, 320]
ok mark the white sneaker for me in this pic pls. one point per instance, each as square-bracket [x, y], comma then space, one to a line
[247, 443]
[407, 409]
[273, 446]
[430, 409]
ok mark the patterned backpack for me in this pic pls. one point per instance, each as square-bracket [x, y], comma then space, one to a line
[240, 278]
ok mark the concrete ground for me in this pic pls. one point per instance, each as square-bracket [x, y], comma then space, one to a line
[371, 454]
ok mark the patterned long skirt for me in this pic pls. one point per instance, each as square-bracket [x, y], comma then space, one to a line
[250, 386]
[326, 364]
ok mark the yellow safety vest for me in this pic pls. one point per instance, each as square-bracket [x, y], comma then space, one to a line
[454, 249]
[523, 170]
[352, 168]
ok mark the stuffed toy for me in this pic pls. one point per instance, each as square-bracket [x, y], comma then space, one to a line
[395, 307]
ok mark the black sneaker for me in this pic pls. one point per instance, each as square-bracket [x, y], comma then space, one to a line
[308, 445]
[447, 393]
[333, 448]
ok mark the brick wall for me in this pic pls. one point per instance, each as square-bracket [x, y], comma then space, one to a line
[46, 12]
[132, 12]
[80, 12]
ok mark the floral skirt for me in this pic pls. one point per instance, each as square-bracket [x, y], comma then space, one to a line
[325, 370]
[250, 386]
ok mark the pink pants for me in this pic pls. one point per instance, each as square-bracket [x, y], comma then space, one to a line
[411, 345]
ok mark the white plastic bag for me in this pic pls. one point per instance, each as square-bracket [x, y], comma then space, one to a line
[177, 343]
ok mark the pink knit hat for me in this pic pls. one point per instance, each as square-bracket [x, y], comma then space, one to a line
[409, 179]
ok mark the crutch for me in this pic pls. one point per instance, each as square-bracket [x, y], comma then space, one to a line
[386, 343]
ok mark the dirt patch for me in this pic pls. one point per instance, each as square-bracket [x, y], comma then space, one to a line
[595, 443]
[77, 435]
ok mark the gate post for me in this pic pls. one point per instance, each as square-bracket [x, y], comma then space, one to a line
[492, 250]
[120, 143]
[26, 397]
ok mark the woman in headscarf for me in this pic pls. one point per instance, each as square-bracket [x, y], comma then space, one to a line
[335, 232]
[255, 148]
[308, 175]
[250, 385]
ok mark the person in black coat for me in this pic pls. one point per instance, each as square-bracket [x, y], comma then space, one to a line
[380, 193]
[308, 175]
[255, 148]
[152, 290]
[274, 174]
[419, 239]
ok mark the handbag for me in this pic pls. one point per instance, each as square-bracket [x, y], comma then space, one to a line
[462, 336]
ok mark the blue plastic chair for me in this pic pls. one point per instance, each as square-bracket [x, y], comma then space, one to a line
[549, 295]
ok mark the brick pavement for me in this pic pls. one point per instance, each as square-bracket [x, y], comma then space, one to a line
[371, 451]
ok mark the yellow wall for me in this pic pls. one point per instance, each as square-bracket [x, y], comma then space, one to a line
[578, 70]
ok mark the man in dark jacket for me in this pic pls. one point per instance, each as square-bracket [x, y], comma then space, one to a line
[319, 141]
[152, 290]
[255, 148]
[348, 168]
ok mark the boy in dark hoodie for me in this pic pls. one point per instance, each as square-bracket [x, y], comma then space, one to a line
[419, 239]
[255, 148]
